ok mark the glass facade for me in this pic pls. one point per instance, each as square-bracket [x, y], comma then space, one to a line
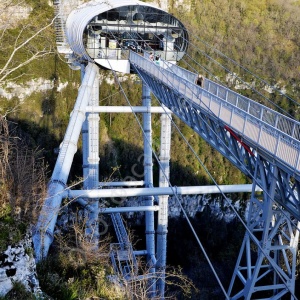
[111, 34]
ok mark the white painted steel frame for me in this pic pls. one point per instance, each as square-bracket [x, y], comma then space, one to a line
[162, 219]
[158, 191]
[43, 235]
[91, 165]
[81, 16]
[128, 109]
[148, 178]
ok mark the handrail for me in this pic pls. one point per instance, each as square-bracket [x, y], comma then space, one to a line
[283, 123]
[262, 127]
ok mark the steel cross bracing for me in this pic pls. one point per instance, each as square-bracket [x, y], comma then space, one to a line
[224, 119]
[276, 231]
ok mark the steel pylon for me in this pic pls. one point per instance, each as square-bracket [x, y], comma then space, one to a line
[266, 265]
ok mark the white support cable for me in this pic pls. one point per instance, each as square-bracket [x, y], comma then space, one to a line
[267, 256]
[249, 174]
[110, 96]
[235, 157]
[248, 71]
[186, 54]
[184, 212]
[222, 141]
[247, 229]
[244, 82]
[270, 259]
[227, 70]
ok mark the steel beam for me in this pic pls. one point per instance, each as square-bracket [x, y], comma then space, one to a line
[91, 165]
[112, 210]
[128, 109]
[121, 183]
[43, 235]
[266, 265]
[158, 191]
[210, 126]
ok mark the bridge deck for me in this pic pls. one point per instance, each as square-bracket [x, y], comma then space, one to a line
[261, 128]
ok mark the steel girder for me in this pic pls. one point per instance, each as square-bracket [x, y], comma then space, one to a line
[226, 141]
[207, 126]
[266, 265]
[43, 233]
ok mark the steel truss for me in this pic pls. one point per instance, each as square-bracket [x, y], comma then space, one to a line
[272, 219]
[208, 126]
[226, 141]
[271, 236]
[266, 265]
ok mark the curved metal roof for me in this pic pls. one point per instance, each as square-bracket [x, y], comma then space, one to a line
[81, 16]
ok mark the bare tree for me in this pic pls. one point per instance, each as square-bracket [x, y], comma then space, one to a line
[22, 176]
[22, 40]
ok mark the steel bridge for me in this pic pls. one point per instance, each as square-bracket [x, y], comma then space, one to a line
[260, 142]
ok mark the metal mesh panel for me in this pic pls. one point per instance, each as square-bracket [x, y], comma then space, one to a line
[255, 109]
[242, 103]
[231, 98]
[268, 117]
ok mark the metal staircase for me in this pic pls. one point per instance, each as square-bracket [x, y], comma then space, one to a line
[119, 227]
[121, 254]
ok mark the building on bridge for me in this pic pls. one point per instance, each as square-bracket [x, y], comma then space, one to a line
[105, 33]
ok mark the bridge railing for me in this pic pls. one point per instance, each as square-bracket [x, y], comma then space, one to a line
[181, 72]
[263, 127]
[265, 114]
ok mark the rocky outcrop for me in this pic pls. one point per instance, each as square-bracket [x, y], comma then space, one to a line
[23, 91]
[17, 264]
[13, 13]
[219, 207]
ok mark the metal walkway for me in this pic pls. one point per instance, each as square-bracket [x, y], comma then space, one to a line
[239, 128]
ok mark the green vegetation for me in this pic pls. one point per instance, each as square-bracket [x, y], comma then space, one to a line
[18, 292]
[67, 277]
[22, 184]
[262, 35]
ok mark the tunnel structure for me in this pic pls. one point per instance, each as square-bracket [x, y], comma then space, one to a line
[104, 32]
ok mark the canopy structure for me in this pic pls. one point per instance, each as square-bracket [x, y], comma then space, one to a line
[105, 31]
